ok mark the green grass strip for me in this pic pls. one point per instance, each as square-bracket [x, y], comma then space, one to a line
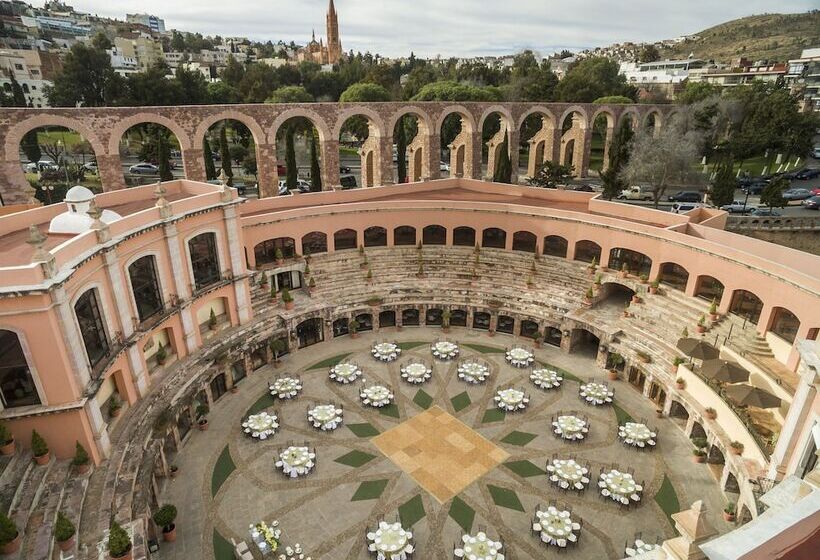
[524, 469]
[330, 362]
[567, 375]
[363, 430]
[518, 438]
[485, 349]
[622, 415]
[667, 499]
[462, 514]
[355, 458]
[493, 415]
[390, 410]
[411, 512]
[423, 399]
[265, 401]
[222, 470]
[223, 549]
[505, 498]
[461, 401]
[411, 345]
[370, 490]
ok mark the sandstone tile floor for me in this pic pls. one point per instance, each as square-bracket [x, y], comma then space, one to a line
[320, 511]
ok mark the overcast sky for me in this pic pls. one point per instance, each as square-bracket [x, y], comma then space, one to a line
[449, 27]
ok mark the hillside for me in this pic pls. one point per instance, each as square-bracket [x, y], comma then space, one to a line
[774, 37]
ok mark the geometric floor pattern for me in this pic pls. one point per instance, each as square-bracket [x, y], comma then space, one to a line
[363, 474]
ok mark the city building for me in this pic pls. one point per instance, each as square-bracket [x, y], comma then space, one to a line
[145, 50]
[803, 76]
[154, 23]
[740, 72]
[32, 69]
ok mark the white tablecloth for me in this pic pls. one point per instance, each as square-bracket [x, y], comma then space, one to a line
[345, 373]
[390, 541]
[325, 416]
[261, 426]
[637, 434]
[556, 526]
[444, 350]
[376, 396]
[546, 378]
[386, 351]
[416, 372]
[567, 473]
[511, 399]
[479, 547]
[519, 357]
[639, 548]
[296, 461]
[266, 537]
[285, 387]
[570, 427]
[473, 372]
[596, 393]
[620, 487]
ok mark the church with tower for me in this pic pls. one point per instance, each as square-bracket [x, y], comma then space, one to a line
[318, 51]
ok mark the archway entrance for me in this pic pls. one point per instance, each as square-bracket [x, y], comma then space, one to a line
[150, 152]
[409, 149]
[309, 332]
[584, 342]
[297, 144]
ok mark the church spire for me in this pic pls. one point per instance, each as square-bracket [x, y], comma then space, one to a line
[331, 9]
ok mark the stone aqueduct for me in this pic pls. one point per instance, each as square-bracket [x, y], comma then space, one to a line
[104, 128]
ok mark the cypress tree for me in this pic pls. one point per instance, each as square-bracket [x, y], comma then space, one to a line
[290, 157]
[315, 172]
[618, 157]
[31, 147]
[723, 187]
[225, 154]
[401, 150]
[210, 168]
[165, 173]
[17, 93]
[503, 166]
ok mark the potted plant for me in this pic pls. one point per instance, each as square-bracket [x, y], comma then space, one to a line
[306, 272]
[699, 453]
[615, 361]
[6, 440]
[164, 517]
[161, 354]
[273, 294]
[736, 447]
[445, 320]
[280, 258]
[353, 328]
[530, 282]
[624, 271]
[277, 346]
[311, 285]
[659, 413]
[684, 333]
[477, 249]
[361, 250]
[537, 339]
[598, 278]
[491, 332]
[173, 470]
[9, 535]
[369, 276]
[653, 287]
[644, 278]
[588, 296]
[676, 361]
[636, 298]
[643, 356]
[114, 406]
[420, 272]
[374, 301]
[307, 254]
[418, 246]
[729, 513]
[701, 327]
[81, 459]
[592, 265]
[713, 311]
[202, 411]
[710, 413]
[212, 320]
[680, 383]
[287, 299]
[364, 262]
[39, 448]
[64, 532]
[263, 281]
[119, 543]
[234, 388]
[626, 309]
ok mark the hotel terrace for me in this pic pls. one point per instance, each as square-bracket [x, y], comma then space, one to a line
[423, 369]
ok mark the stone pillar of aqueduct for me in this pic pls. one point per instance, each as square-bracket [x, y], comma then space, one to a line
[565, 136]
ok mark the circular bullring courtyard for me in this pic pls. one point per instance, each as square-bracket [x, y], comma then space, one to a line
[441, 458]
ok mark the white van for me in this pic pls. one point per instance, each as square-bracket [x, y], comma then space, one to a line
[682, 207]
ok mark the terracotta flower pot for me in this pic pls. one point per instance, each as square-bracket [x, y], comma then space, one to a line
[126, 556]
[612, 375]
[8, 448]
[114, 412]
[735, 451]
[83, 469]
[653, 290]
[699, 458]
[636, 299]
[203, 425]
[234, 389]
[659, 413]
[280, 262]
[728, 517]
[680, 386]
[289, 305]
[66, 545]
[700, 329]
[492, 333]
[170, 536]
[714, 317]
[11, 547]
[173, 472]
[354, 335]
[711, 415]
[43, 459]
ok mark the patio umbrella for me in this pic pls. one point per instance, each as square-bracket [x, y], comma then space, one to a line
[697, 348]
[747, 395]
[724, 370]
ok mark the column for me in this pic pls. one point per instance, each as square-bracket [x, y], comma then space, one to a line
[266, 170]
[555, 154]
[691, 285]
[193, 164]
[610, 132]
[386, 159]
[180, 274]
[13, 184]
[98, 427]
[111, 172]
[330, 165]
[433, 157]
[71, 337]
[585, 138]
[515, 139]
[240, 287]
[474, 156]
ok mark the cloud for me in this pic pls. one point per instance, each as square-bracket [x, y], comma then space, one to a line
[450, 27]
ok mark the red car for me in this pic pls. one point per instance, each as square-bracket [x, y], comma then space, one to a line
[815, 191]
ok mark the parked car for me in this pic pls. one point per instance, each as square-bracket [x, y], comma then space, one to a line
[344, 170]
[755, 188]
[91, 166]
[144, 168]
[281, 170]
[682, 207]
[583, 188]
[736, 207]
[302, 185]
[685, 196]
[444, 167]
[812, 203]
[348, 182]
[807, 174]
[797, 194]
[42, 165]
[816, 153]
[815, 191]
[764, 211]
[636, 192]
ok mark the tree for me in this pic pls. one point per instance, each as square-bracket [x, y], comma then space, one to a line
[453, 91]
[30, 146]
[614, 100]
[503, 166]
[550, 174]
[401, 148]
[364, 92]
[210, 168]
[17, 96]
[697, 91]
[772, 195]
[619, 151]
[289, 94]
[664, 159]
[238, 153]
[225, 154]
[193, 86]
[220, 93]
[325, 86]
[592, 78]
[163, 156]
[249, 165]
[649, 53]
[315, 171]
[724, 183]
[291, 171]
[86, 78]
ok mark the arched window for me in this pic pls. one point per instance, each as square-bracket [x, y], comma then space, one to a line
[585, 251]
[785, 324]
[434, 235]
[635, 262]
[410, 317]
[746, 304]
[387, 319]
[340, 327]
[204, 260]
[709, 288]
[365, 321]
[375, 237]
[494, 238]
[674, 275]
[16, 382]
[464, 236]
[458, 318]
[506, 324]
[92, 327]
[145, 286]
[314, 242]
[555, 246]
[265, 252]
[433, 316]
[481, 320]
[524, 241]
[529, 328]
[404, 235]
[344, 239]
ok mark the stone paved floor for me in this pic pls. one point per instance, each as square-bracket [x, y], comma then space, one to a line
[317, 511]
